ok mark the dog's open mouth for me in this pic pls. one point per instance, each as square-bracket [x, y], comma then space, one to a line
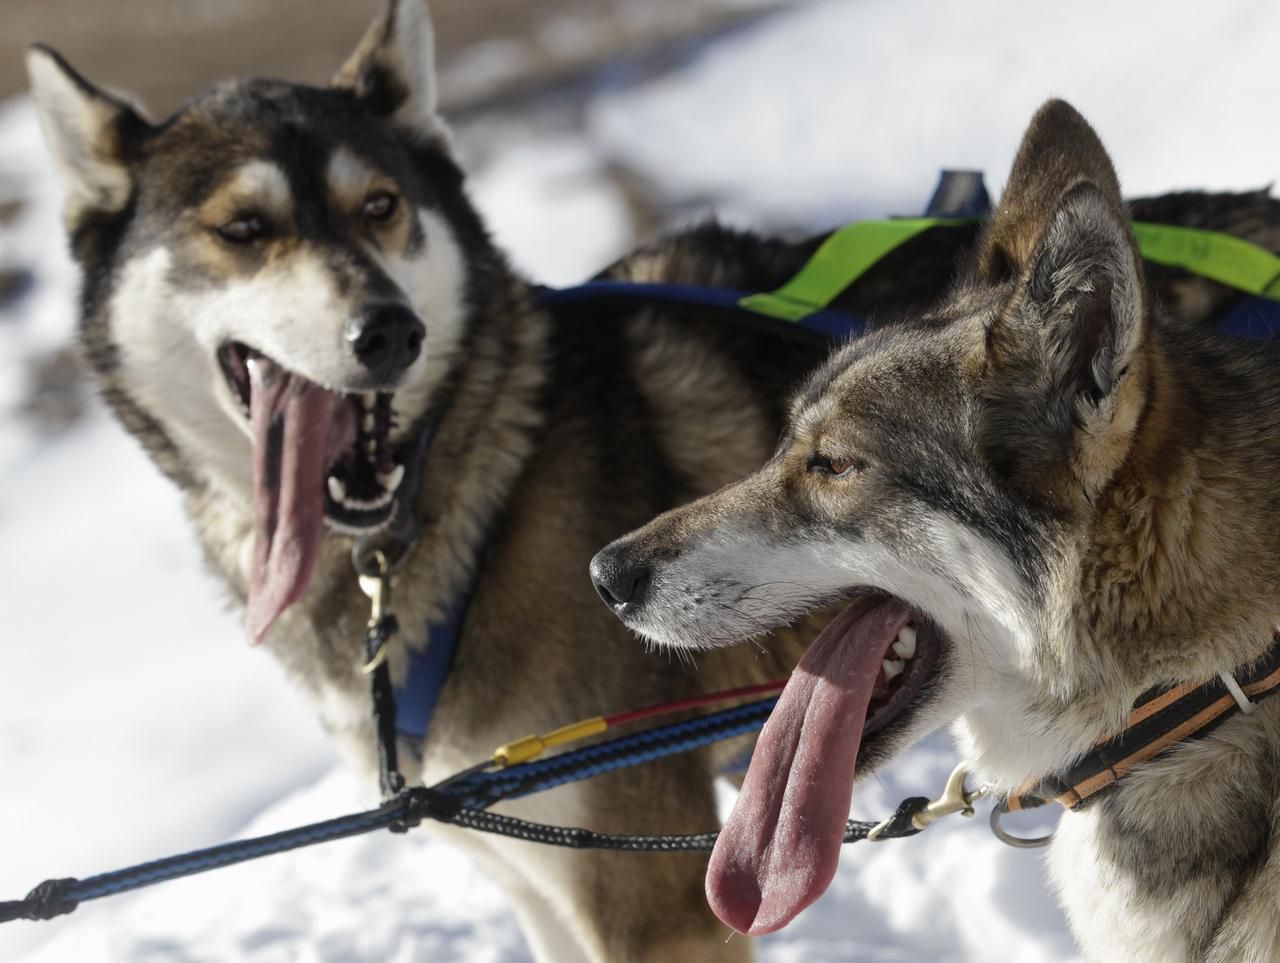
[779, 849]
[320, 457]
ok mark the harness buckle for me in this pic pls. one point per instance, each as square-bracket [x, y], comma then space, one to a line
[955, 798]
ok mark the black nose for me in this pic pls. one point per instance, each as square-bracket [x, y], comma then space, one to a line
[386, 339]
[620, 582]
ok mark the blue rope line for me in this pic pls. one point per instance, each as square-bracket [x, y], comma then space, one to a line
[228, 854]
[638, 757]
[486, 788]
[476, 791]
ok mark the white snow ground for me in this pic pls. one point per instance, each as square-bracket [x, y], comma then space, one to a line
[135, 721]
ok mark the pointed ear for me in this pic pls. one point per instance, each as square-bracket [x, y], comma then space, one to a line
[1059, 150]
[91, 134]
[1068, 366]
[1067, 359]
[1085, 289]
[394, 69]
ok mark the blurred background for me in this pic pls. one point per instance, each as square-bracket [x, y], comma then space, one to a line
[135, 720]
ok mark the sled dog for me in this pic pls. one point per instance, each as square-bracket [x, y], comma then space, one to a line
[1036, 500]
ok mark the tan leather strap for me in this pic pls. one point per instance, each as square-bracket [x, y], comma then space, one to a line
[1161, 718]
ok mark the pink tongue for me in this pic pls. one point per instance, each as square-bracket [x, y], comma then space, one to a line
[779, 849]
[299, 430]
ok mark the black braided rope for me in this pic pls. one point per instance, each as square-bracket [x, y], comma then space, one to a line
[383, 695]
[43, 903]
[410, 807]
[897, 827]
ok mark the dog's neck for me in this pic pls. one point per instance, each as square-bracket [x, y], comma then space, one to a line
[1177, 579]
[1181, 575]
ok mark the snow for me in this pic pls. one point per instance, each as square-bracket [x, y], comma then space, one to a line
[842, 110]
[134, 719]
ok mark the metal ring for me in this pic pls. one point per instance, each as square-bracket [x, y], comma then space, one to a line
[1018, 842]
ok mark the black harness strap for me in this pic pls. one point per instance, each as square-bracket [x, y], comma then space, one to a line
[1161, 718]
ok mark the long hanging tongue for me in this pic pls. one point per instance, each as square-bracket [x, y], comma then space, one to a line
[299, 429]
[779, 849]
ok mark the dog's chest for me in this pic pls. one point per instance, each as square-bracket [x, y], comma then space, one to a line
[1113, 915]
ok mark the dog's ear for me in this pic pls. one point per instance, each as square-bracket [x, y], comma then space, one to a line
[92, 135]
[394, 69]
[1068, 347]
[1059, 150]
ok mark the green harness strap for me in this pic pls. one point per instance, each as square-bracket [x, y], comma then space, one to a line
[1219, 257]
[851, 251]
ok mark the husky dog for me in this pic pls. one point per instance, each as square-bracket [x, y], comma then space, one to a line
[1038, 499]
[285, 287]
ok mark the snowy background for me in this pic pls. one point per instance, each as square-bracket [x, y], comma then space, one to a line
[134, 719]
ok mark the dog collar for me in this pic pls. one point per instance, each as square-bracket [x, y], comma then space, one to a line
[1162, 718]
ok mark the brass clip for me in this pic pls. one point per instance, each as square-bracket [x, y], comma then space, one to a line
[377, 587]
[955, 798]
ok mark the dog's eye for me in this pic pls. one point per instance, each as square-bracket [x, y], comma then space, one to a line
[822, 465]
[243, 230]
[380, 205]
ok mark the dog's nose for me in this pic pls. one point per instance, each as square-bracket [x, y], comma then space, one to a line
[386, 339]
[620, 582]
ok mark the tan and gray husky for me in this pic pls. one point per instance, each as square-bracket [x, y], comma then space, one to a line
[1040, 498]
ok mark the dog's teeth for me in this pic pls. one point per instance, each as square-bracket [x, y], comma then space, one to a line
[361, 505]
[367, 423]
[892, 669]
[337, 490]
[371, 446]
[391, 480]
[367, 399]
[906, 644]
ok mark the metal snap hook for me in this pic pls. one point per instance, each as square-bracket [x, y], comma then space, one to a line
[375, 582]
[955, 798]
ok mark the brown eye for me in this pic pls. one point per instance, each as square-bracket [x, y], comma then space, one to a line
[822, 465]
[380, 206]
[243, 230]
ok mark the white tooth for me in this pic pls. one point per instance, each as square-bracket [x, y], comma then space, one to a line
[366, 505]
[366, 423]
[367, 399]
[892, 668]
[371, 446]
[337, 490]
[906, 644]
[391, 480]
